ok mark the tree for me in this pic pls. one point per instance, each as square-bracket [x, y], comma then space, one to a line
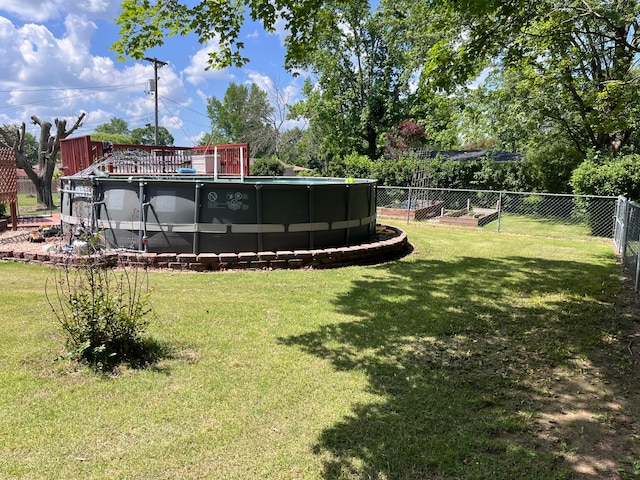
[290, 147]
[145, 25]
[242, 116]
[115, 126]
[115, 131]
[30, 142]
[439, 115]
[611, 176]
[115, 138]
[279, 99]
[303, 148]
[403, 137]
[576, 58]
[146, 136]
[48, 148]
[267, 167]
[362, 87]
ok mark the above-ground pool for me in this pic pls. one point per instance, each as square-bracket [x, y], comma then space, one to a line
[196, 214]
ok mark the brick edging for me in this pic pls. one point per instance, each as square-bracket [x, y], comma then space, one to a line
[387, 246]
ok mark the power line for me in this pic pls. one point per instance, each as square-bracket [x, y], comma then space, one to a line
[101, 87]
[132, 121]
[181, 127]
[156, 64]
[39, 102]
[185, 107]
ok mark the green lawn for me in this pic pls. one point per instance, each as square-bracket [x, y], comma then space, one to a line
[446, 364]
[28, 205]
[539, 226]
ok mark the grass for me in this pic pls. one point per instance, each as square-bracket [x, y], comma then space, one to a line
[444, 364]
[28, 205]
[539, 226]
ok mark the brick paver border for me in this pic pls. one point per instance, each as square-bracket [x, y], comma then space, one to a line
[390, 243]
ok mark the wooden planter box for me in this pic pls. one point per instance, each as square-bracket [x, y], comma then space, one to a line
[482, 217]
[423, 211]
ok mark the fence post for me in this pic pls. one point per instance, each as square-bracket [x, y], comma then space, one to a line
[625, 230]
[637, 269]
[409, 206]
[499, 210]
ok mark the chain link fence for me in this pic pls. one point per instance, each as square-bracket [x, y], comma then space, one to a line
[27, 187]
[627, 237]
[550, 215]
[537, 214]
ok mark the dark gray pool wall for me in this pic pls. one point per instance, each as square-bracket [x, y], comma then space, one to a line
[200, 214]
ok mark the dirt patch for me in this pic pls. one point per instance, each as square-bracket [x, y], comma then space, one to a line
[591, 413]
[21, 240]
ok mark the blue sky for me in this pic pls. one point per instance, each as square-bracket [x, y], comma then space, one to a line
[56, 61]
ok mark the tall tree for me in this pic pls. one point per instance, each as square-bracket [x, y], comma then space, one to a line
[279, 99]
[115, 130]
[146, 136]
[115, 126]
[242, 116]
[145, 25]
[576, 58]
[48, 149]
[506, 114]
[362, 86]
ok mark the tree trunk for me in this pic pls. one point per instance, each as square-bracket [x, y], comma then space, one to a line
[371, 138]
[49, 146]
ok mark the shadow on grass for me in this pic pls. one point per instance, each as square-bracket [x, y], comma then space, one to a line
[463, 357]
[149, 354]
[146, 354]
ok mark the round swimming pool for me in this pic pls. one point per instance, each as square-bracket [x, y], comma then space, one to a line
[201, 214]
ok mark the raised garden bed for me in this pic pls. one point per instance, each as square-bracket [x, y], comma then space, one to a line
[419, 210]
[476, 217]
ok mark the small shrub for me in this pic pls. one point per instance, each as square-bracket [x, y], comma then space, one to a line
[267, 167]
[395, 172]
[610, 177]
[102, 312]
[309, 173]
[354, 166]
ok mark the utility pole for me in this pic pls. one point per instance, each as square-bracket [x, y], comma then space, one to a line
[156, 64]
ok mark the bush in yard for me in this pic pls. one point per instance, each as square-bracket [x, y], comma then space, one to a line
[354, 166]
[396, 173]
[103, 313]
[610, 177]
[267, 167]
[606, 177]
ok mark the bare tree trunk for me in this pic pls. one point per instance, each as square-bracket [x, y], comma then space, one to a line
[48, 149]
[49, 146]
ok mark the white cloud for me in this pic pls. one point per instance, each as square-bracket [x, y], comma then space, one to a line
[44, 10]
[196, 72]
[280, 30]
[280, 96]
[57, 77]
[273, 87]
[33, 10]
[480, 79]
[264, 82]
[55, 62]
[202, 96]
[172, 122]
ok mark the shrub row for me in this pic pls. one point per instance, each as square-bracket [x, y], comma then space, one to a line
[481, 175]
